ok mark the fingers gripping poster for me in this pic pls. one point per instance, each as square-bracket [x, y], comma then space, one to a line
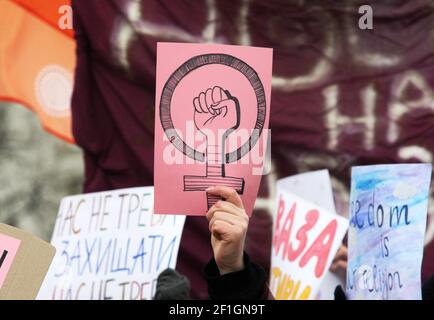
[388, 212]
[212, 114]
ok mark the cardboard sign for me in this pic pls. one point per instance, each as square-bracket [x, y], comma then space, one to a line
[110, 245]
[24, 261]
[306, 238]
[315, 186]
[388, 210]
[211, 121]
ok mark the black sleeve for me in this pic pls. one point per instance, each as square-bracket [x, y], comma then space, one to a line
[340, 293]
[249, 283]
[428, 289]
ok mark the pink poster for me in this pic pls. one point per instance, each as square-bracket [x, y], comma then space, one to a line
[211, 123]
[8, 249]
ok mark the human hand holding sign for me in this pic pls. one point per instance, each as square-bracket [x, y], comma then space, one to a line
[340, 261]
[228, 224]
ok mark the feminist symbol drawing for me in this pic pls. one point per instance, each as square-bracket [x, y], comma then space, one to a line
[217, 114]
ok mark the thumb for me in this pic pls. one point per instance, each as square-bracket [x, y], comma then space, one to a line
[220, 109]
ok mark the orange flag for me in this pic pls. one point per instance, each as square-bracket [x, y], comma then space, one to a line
[37, 60]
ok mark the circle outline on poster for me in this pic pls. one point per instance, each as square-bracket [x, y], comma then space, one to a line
[193, 64]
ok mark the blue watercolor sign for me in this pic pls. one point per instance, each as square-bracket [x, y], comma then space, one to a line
[388, 212]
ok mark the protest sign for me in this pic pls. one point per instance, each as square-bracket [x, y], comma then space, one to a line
[305, 240]
[110, 245]
[24, 262]
[211, 121]
[315, 186]
[388, 211]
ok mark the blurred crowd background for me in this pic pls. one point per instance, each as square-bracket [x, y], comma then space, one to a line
[36, 171]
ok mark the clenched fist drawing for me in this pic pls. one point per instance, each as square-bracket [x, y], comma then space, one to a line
[216, 115]
[215, 109]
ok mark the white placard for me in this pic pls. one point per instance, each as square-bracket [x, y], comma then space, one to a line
[110, 245]
[315, 186]
[306, 238]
